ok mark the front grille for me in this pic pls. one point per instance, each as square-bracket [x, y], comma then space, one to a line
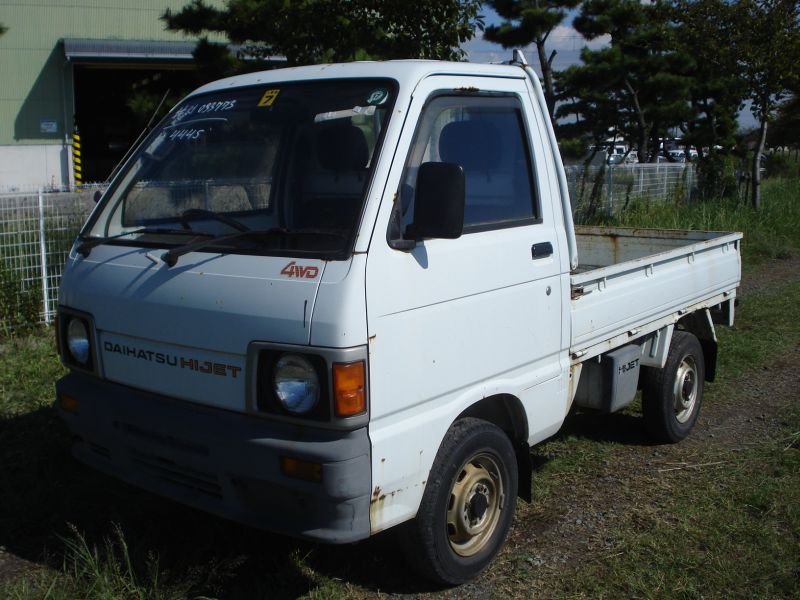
[165, 469]
[98, 449]
[161, 439]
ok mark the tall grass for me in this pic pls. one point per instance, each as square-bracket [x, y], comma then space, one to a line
[102, 573]
[19, 304]
[771, 232]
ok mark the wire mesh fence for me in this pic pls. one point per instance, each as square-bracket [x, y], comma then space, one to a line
[608, 190]
[37, 227]
[36, 232]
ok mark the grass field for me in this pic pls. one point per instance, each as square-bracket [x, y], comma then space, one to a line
[613, 516]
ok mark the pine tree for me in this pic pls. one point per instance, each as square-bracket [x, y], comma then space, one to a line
[317, 31]
[531, 22]
[767, 51]
[642, 74]
[715, 91]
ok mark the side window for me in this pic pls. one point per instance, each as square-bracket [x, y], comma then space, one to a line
[486, 136]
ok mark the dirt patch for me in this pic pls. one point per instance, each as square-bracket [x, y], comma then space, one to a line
[579, 525]
[12, 566]
[770, 275]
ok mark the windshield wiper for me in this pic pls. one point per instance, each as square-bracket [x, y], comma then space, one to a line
[171, 257]
[85, 248]
[202, 212]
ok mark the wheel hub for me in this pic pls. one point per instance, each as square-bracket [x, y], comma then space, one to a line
[685, 389]
[476, 500]
[688, 387]
[478, 504]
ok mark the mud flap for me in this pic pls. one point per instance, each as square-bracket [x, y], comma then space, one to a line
[525, 471]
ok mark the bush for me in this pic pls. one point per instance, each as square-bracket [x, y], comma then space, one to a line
[716, 177]
[20, 306]
[782, 165]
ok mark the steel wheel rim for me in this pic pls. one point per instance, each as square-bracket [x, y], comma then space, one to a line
[475, 504]
[684, 390]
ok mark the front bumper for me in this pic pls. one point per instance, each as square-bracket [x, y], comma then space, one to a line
[223, 462]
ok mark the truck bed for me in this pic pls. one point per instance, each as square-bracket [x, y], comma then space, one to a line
[631, 282]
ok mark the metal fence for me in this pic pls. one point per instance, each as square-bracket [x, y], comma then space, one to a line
[38, 227]
[36, 232]
[610, 189]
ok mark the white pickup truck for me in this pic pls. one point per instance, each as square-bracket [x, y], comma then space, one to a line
[331, 300]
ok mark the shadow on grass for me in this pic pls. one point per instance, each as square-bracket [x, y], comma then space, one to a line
[44, 492]
[617, 428]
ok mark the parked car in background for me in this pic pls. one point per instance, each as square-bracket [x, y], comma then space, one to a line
[677, 156]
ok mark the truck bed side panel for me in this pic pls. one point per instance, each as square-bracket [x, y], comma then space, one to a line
[623, 297]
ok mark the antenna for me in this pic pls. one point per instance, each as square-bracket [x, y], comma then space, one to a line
[144, 132]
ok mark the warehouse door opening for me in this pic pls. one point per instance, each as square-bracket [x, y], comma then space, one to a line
[105, 99]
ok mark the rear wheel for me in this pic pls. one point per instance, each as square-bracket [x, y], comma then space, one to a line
[468, 504]
[671, 397]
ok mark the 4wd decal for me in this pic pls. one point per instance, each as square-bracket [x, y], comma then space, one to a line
[300, 271]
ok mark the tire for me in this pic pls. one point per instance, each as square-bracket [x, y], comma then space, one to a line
[467, 506]
[671, 397]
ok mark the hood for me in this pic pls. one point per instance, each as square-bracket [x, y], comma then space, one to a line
[184, 330]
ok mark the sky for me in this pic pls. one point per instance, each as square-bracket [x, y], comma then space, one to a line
[564, 40]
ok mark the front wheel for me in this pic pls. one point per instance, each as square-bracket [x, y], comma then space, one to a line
[671, 397]
[468, 504]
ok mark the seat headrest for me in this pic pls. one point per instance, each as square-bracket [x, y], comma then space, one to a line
[342, 147]
[475, 145]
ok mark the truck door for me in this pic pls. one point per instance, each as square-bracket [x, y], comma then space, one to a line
[457, 320]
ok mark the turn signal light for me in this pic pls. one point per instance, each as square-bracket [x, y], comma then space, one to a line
[349, 388]
[301, 469]
[68, 403]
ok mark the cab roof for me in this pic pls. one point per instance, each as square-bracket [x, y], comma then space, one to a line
[406, 72]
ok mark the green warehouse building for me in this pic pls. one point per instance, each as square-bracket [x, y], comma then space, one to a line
[67, 64]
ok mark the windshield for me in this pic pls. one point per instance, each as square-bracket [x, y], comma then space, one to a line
[288, 159]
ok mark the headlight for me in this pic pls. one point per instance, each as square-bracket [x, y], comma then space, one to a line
[78, 341]
[296, 384]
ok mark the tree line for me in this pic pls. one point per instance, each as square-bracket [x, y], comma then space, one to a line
[689, 65]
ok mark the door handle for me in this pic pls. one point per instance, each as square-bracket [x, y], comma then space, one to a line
[541, 250]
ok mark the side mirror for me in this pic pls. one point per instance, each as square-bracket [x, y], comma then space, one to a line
[439, 202]
[438, 207]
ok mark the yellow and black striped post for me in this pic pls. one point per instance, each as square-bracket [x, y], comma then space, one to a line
[76, 158]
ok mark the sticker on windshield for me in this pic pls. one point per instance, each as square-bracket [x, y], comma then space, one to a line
[209, 107]
[268, 99]
[378, 96]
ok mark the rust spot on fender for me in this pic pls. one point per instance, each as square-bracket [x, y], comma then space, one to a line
[376, 505]
[376, 510]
